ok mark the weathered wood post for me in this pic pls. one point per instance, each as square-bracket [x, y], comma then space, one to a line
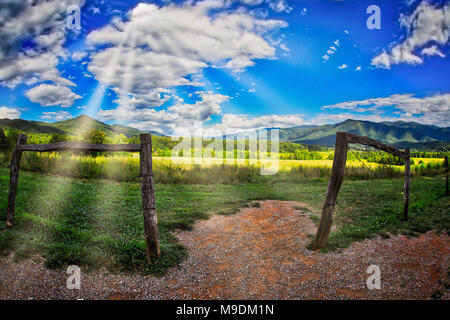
[14, 179]
[446, 175]
[337, 174]
[406, 184]
[148, 198]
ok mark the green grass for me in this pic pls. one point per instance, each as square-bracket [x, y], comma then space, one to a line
[94, 223]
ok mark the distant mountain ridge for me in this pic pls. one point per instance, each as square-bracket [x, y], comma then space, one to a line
[400, 134]
[71, 126]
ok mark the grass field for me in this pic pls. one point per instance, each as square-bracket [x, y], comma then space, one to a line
[94, 223]
[125, 167]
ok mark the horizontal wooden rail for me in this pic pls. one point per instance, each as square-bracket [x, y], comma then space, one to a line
[76, 146]
[353, 138]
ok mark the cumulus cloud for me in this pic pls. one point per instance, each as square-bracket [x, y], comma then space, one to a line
[52, 95]
[154, 50]
[252, 2]
[165, 49]
[208, 105]
[280, 6]
[78, 55]
[32, 68]
[147, 71]
[153, 98]
[433, 109]
[9, 113]
[426, 24]
[235, 38]
[275, 5]
[432, 51]
[182, 117]
[233, 123]
[41, 22]
[58, 115]
[343, 66]
[167, 120]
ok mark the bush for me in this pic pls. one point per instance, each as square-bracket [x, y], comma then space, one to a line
[94, 136]
[57, 137]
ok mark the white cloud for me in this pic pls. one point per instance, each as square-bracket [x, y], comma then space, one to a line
[58, 116]
[284, 47]
[252, 2]
[343, 66]
[31, 68]
[238, 123]
[94, 10]
[9, 113]
[151, 99]
[304, 11]
[432, 109]
[78, 55]
[155, 50]
[41, 22]
[230, 37]
[148, 70]
[202, 109]
[426, 24]
[181, 119]
[432, 51]
[331, 50]
[358, 68]
[280, 6]
[52, 95]
[275, 5]
[178, 115]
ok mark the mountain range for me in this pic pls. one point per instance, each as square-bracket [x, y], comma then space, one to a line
[400, 134]
[71, 126]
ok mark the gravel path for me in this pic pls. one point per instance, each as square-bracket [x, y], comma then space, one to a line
[258, 253]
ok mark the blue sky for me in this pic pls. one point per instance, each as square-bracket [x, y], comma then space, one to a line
[233, 65]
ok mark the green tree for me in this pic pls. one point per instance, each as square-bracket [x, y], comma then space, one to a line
[94, 136]
[57, 137]
[12, 135]
[120, 139]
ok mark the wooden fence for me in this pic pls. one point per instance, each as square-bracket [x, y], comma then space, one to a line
[337, 174]
[146, 174]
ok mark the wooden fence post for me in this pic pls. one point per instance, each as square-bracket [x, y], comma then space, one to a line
[148, 198]
[14, 179]
[406, 185]
[337, 174]
[446, 175]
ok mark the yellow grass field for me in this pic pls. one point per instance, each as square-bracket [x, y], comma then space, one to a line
[284, 165]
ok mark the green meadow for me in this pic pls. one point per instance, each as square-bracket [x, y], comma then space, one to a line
[94, 222]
